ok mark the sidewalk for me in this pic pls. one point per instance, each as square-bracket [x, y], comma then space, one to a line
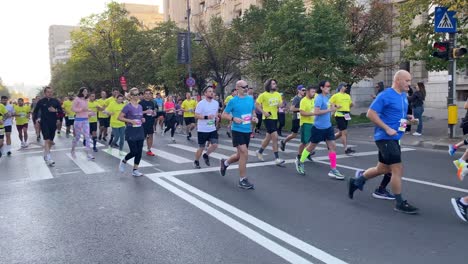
[435, 130]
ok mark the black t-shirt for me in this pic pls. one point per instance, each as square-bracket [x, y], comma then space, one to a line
[148, 105]
[42, 107]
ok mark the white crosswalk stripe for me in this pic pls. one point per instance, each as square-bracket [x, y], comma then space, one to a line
[87, 166]
[37, 169]
[192, 149]
[115, 153]
[170, 157]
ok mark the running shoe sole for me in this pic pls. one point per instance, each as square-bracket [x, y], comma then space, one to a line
[382, 197]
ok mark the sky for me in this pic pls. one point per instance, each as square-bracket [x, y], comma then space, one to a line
[24, 33]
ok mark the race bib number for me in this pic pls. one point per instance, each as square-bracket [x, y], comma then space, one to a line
[347, 116]
[137, 123]
[211, 122]
[22, 114]
[403, 123]
[2, 131]
[71, 118]
[246, 119]
[298, 115]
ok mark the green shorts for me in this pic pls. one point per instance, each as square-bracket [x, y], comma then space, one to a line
[306, 133]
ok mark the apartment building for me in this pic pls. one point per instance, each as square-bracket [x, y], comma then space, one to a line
[59, 43]
[148, 15]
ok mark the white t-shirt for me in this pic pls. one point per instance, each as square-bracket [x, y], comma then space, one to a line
[11, 110]
[206, 108]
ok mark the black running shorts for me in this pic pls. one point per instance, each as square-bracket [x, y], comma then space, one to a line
[389, 151]
[240, 138]
[203, 137]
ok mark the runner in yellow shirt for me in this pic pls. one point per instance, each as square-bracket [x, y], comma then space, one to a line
[118, 127]
[22, 113]
[268, 103]
[69, 115]
[104, 120]
[343, 103]
[226, 101]
[109, 101]
[306, 121]
[188, 106]
[93, 118]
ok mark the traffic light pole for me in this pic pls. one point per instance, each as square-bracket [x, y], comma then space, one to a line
[452, 70]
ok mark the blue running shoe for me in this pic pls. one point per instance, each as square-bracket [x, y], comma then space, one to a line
[451, 150]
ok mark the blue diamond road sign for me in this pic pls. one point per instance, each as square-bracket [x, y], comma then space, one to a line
[444, 20]
[190, 82]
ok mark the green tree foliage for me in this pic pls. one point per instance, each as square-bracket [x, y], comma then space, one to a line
[3, 89]
[420, 36]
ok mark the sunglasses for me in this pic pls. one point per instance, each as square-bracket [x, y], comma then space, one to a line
[134, 94]
[245, 87]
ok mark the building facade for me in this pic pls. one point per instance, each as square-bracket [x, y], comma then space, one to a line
[148, 15]
[59, 43]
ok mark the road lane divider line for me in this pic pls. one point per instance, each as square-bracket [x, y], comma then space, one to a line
[278, 233]
[169, 156]
[87, 166]
[258, 238]
[37, 169]
[193, 150]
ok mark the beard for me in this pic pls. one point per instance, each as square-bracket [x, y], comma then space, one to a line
[209, 97]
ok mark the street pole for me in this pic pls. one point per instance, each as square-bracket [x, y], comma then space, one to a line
[189, 44]
[452, 70]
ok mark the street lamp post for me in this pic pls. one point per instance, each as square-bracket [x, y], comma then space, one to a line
[189, 44]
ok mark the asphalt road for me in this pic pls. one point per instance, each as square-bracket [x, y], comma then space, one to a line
[88, 212]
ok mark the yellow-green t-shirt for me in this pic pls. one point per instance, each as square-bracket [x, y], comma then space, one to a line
[101, 103]
[270, 103]
[92, 107]
[306, 105]
[22, 114]
[227, 99]
[3, 111]
[342, 99]
[67, 107]
[110, 100]
[189, 107]
[115, 109]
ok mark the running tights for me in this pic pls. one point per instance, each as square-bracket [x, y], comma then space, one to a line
[136, 148]
[170, 123]
[81, 127]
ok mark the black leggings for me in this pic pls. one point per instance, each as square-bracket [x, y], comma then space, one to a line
[136, 149]
[281, 121]
[170, 123]
[259, 124]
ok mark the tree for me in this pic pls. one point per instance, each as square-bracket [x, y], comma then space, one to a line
[420, 37]
[220, 52]
[3, 89]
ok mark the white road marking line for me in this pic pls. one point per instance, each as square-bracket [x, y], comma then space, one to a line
[69, 172]
[41, 151]
[258, 238]
[299, 141]
[291, 240]
[37, 169]
[192, 149]
[158, 169]
[169, 156]
[233, 149]
[297, 145]
[64, 129]
[115, 153]
[269, 148]
[87, 166]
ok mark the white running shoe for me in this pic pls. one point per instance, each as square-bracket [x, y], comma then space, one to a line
[122, 166]
[137, 173]
[279, 162]
[121, 153]
[259, 156]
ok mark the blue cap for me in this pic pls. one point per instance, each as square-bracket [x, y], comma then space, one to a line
[300, 87]
[340, 86]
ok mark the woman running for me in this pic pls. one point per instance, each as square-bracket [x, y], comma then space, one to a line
[169, 107]
[81, 124]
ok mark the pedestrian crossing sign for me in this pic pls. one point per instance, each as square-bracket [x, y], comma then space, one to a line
[444, 20]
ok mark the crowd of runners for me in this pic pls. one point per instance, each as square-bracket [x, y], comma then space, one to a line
[136, 116]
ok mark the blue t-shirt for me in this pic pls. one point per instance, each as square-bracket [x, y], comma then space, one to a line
[391, 108]
[241, 108]
[322, 121]
[159, 102]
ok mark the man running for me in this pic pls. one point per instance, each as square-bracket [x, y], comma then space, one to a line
[296, 116]
[268, 103]
[93, 119]
[104, 120]
[22, 113]
[389, 113]
[36, 125]
[8, 123]
[48, 108]
[150, 108]
[306, 118]
[241, 111]
[69, 115]
[344, 103]
[160, 115]
[3, 114]
[226, 101]
[206, 114]
[322, 130]
[189, 105]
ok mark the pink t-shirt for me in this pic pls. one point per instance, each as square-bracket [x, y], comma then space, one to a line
[80, 107]
[169, 106]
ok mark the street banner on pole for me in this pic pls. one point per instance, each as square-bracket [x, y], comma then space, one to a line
[182, 48]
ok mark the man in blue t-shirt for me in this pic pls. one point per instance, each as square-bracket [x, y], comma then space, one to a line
[241, 111]
[389, 114]
[322, 130]
[160, 115]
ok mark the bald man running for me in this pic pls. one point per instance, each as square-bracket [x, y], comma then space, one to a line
[389, 114]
